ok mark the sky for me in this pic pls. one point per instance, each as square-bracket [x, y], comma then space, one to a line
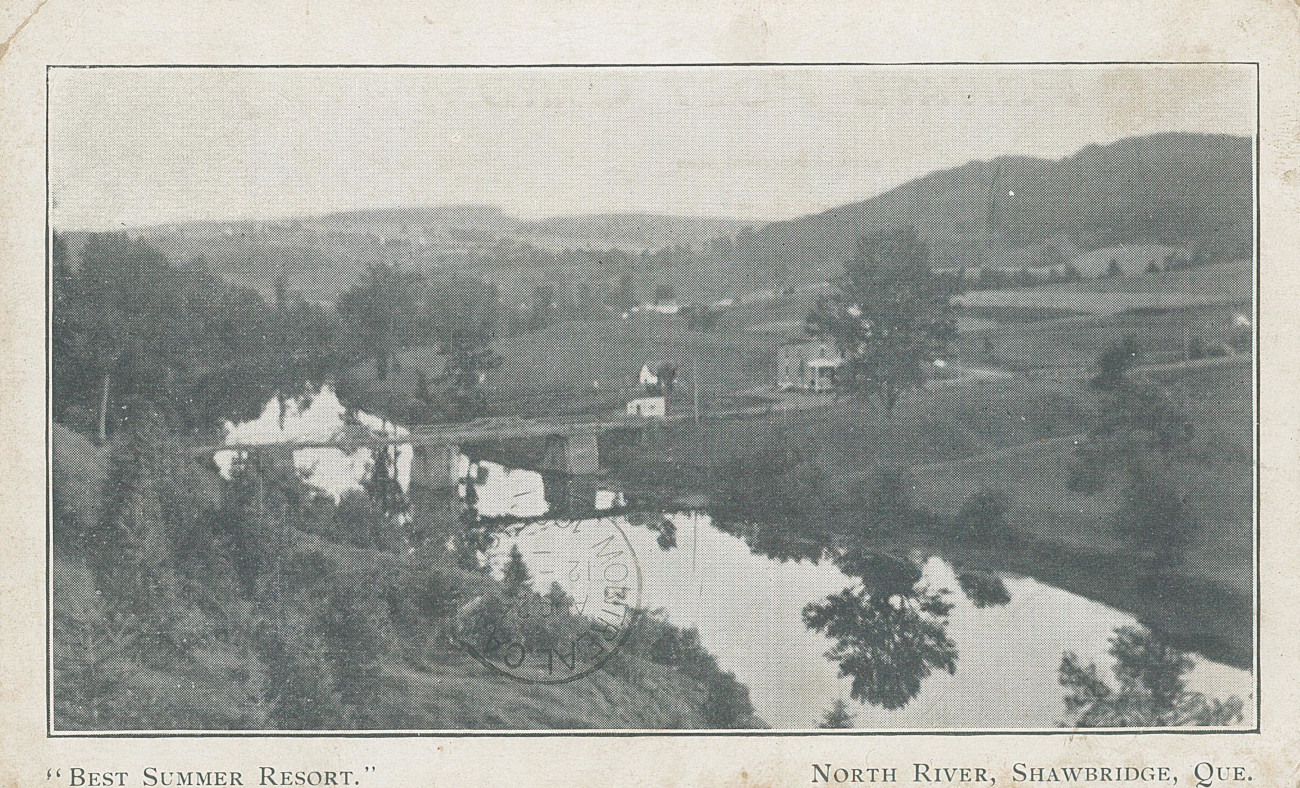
[134, 147]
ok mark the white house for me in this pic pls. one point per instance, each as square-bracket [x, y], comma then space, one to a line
[810, 364]
[648, 407]
[648, 376]
[821, 373]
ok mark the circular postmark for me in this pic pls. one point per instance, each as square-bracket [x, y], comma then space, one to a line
[568, 596]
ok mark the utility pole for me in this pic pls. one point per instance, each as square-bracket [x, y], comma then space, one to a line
[695, 386]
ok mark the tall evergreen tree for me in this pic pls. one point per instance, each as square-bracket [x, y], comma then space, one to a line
[516, 576]
[837, 716]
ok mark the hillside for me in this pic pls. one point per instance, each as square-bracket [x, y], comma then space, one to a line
[1183, 190]
[1184, 194]
[644, 230]
[332, 636]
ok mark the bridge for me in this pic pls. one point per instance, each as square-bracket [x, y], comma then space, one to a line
[571, 448]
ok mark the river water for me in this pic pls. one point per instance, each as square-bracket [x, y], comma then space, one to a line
[1005, 644]
[748, 610]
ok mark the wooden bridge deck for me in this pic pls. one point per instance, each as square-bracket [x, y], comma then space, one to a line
[497, 429]
[480, 431]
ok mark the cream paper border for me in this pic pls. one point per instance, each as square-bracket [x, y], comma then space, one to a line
[320, 32]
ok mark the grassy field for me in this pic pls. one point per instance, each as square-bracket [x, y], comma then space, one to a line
[589, 366]
[1222, 283]
[1074, 343]
[1163, 310]
[1226, 282]
[1205, 596]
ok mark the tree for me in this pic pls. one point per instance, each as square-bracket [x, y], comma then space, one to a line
[983, 516]
[384, 312]
[382, 484]
[544, 308]
[1151, 691]
[701, 317]
[132, 325]
[666, 373]
[837, 716]
[665, 292]
[1115, 361]
[105, 315]
[984, 589]
[468, 357]
[515, 575]
[891, 315]
[624, 296]
[1152, 518]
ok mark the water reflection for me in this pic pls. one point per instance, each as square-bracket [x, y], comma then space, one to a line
[887, 644]
[1152, 688]
[659, 524]
[984, 589]
[804, 618]
[778, 542]
[805, 610]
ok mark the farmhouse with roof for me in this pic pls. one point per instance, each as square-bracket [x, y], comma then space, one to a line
[808, 364]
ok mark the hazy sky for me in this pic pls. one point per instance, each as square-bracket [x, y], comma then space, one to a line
[142, 146]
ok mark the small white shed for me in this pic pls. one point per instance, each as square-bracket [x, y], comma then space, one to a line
[647, 408]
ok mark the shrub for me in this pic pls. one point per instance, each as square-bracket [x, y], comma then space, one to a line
[726, 700]
[837, 716]
[984, 589]
[301, 678]
[361, 522]
[357, 619]
[774, 483]
[1152, 517]
[1114, 362]
[984, 515]
[889, 506]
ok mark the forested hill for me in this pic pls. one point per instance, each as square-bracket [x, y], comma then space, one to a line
[1184, 190]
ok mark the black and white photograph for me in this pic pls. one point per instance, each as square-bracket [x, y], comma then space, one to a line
[672, 398]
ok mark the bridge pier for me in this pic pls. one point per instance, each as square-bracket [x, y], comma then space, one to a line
[574, 455]
[272, 457]
[572, 496]
[435, 466]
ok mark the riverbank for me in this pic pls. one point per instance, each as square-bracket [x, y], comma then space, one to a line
[1017, 438]
[273, 624]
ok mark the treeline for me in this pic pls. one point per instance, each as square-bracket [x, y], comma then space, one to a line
[130, 326]
[129, 322]
[323, 265]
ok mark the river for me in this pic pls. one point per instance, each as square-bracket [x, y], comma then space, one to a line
[748, 610]
[1002, 635]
